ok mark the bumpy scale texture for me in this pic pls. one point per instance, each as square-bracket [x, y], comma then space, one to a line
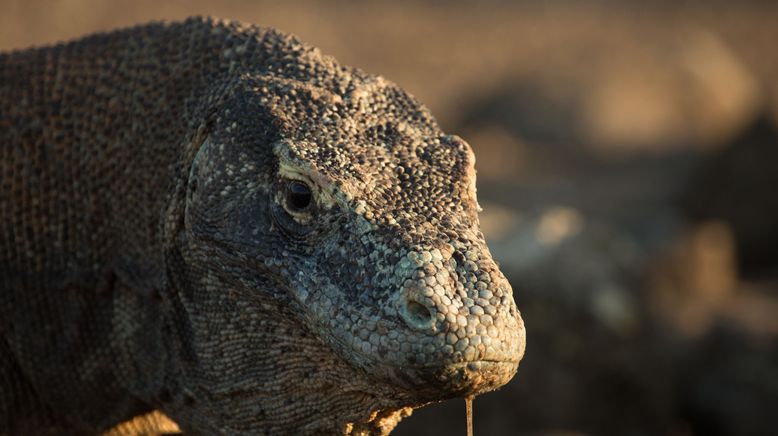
[216, 221]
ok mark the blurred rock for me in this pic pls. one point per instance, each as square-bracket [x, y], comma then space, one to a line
[725, 95]
[499, 154]
[692, 91]
[539, 108]
[498, 221]
[730, 387]
[589, 266]
[688, 92]
[738, 186]
[557, 224]
[691, 284]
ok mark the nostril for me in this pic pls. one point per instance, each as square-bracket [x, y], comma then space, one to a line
[458, 257]
[419, 312]
[416, 315]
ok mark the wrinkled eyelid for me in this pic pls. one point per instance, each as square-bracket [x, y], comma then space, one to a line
[327, 190]
[323, 194]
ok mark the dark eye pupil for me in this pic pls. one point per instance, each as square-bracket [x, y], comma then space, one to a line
[298, 195]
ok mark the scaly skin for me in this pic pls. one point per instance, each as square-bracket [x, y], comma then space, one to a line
[157, 251]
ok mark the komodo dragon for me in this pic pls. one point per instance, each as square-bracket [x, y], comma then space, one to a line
[216, 221]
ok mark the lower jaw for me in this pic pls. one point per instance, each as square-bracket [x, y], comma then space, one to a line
[413, 387]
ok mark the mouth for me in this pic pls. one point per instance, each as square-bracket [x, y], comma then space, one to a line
[435, 383]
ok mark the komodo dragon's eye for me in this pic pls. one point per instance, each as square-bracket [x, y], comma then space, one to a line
[298, 195]
[294, 206]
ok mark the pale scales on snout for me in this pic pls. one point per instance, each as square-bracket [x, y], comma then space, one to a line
[217, 221]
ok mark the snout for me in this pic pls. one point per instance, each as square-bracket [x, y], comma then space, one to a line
[464, 334]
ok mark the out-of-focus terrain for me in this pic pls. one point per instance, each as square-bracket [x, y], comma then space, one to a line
[628, 171]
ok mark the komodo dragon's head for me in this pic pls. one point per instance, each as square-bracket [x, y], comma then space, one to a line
[335, 270]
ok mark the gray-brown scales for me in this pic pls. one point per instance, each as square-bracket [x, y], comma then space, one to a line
[217, 221]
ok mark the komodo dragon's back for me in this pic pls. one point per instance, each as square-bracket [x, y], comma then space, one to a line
[216, 221]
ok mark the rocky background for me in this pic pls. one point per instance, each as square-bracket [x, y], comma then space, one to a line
[628, 171]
